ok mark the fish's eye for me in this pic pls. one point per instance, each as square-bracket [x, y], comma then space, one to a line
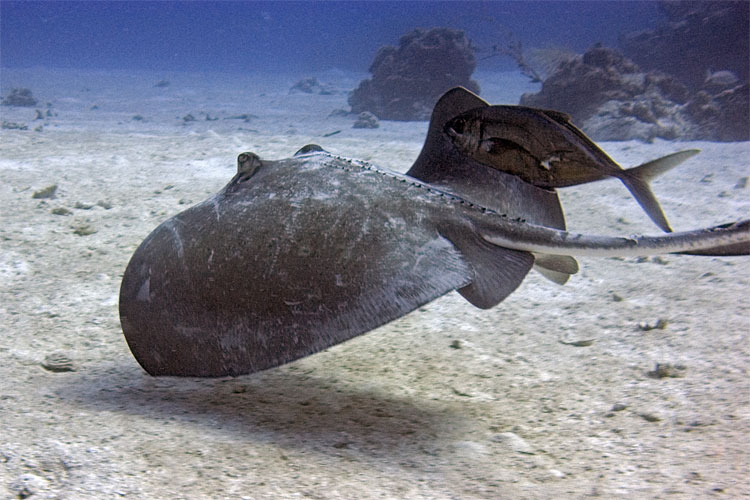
[459, 125]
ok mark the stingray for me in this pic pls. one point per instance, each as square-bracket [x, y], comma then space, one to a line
[545, 149]
[295, 255]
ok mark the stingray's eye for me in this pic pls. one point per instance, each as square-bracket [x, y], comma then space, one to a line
[247, 165]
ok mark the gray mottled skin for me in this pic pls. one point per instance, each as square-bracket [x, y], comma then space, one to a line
[305, 253]
[296, 255]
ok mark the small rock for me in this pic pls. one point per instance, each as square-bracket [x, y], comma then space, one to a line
[310, 86]
[514, 442]
[58, 362]
[660, 324]
[21, 98]
[46, 193]
[619, 407]
[83, 206]
[246, 117]
[664, 370]
[649, 417]
[14, 126]
[139, 118]
[26, 485]
[366, 120]
[188, 118]
[556, 473]
[456, 344]
[616, 298]
[104, 204]
[61, 211]
[741, 183]
[84, 230]
[578, 343]
[339, 113]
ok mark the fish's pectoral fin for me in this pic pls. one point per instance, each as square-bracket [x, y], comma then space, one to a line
[497, 271]
[556, 268]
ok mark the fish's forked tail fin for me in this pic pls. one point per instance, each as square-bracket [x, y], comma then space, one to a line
[636, 179]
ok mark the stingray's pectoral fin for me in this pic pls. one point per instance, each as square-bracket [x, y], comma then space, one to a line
[636, 179]
[556, 268]
[497, 271]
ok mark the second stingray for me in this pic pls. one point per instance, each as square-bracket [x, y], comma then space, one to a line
[545, 149]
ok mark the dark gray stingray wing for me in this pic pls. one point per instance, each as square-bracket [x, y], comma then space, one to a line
[292, 260]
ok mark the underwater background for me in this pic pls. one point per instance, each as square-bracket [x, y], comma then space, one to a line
[628, 382]
[237, 36]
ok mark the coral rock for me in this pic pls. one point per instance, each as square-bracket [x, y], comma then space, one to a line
[408, 80]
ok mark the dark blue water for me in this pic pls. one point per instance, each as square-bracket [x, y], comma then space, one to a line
[287, 36]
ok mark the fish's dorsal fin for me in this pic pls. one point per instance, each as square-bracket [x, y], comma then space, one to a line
[558, 116]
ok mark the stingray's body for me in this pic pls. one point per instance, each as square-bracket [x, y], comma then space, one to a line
[300, 254]
[304, 254]
[296, 255]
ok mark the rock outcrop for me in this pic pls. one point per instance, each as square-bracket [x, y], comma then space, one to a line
[408, 80]
[20, 97]
[699, 38]
[612, 98]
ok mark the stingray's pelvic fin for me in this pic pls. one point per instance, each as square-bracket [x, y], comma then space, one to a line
[496, 271]
[637, 178]
[556, 268]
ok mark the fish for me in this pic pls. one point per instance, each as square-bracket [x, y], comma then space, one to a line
[545, 149]
[296, 255]
[441, 164]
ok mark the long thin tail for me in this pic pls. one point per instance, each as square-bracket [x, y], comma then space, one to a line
[726, 239]
[636, 179]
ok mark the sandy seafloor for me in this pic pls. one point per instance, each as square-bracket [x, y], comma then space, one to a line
[397, 413]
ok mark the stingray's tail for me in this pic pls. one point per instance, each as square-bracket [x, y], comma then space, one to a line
[637, 180]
